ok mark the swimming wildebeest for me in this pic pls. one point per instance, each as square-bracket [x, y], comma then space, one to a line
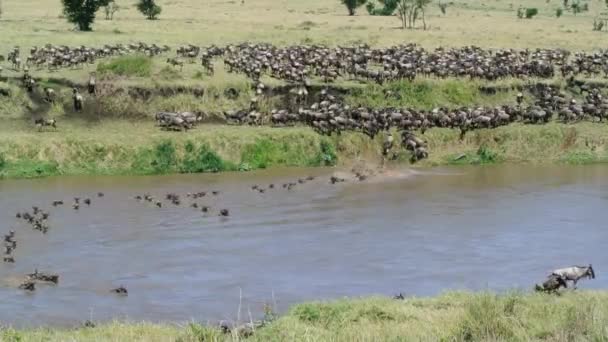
[120, 291]
[575, 273]
[40, 123]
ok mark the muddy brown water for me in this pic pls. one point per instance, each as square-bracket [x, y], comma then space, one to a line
[416, 232]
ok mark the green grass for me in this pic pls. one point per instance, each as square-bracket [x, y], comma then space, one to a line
[457, 316]
[137, 66]
[107, 147]
[125, 147]
[428, 94]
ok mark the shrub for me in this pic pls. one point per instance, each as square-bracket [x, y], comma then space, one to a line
[164, 157]
[127, 66]
[486, 155]
[531, 12]
[202, 159]
[327, 155]
[149, 8]
[559, 12]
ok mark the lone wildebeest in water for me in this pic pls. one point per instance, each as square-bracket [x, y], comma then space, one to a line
[575, 273]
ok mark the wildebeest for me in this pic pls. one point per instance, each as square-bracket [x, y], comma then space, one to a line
[40, 123]
[49, 94]
[78, 100]
[120, 291]
[92, 84]
[552, 284]
[575, 273]
[175, 62]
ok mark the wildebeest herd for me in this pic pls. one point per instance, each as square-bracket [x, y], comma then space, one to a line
[55, 57]
[328, 114]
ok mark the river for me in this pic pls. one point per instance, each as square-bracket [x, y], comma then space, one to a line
[419, 232]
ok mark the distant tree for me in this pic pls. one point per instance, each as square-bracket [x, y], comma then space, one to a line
[404, 7]
[420, 8]
[388, 7]
[149, 8]
[110, 8]
[576, 7]
[352, 5]
[409, 11]
[82, 12]
[443, 7]
[559, 12]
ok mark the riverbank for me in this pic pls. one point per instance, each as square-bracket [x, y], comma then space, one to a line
[121, 147]
[573, 316]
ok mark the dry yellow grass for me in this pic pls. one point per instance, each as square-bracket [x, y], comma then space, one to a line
[484, 23]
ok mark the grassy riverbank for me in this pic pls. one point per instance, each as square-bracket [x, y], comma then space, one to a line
[134, 148]
[580, 316]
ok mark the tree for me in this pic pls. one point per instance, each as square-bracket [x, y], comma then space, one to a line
[409, 11]
[110, 9]
[352, 5]
[403, 11]
[82, 12]
[443, 7]
[388, 7]
[149, 8]
[421, 6]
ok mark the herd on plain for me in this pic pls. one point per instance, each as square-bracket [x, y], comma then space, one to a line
[328, 113]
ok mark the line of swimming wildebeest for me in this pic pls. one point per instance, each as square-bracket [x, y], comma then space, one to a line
[328, 114]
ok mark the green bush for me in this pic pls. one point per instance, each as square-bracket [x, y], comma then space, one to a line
[202, 159]
[486, 155]
[140, 66]
[164, 157]
[531, 12]
[559, 12]
[327, 154]
[3, 161]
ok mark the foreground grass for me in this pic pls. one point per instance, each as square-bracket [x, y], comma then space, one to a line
[574, 316]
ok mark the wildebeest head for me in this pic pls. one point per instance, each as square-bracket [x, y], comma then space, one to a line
[590, 272]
